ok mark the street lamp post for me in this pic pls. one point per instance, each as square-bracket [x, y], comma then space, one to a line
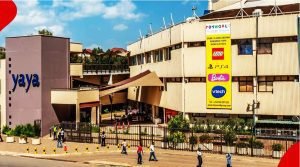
[251, 108]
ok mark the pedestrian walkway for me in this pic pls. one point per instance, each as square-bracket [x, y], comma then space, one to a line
[93, 154]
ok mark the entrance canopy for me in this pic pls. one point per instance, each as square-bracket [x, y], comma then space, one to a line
[146, 78]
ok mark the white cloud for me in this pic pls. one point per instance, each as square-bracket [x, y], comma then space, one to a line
[120, 27]
[124, 9]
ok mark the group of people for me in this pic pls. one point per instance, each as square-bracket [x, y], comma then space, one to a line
[200, 160]
[59, 135]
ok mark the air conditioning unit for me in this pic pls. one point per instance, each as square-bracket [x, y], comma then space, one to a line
[257, 13]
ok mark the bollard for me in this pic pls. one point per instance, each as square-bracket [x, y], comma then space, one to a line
[97, 148]
[44, 150]
[66, 149]
[107, 146]
[76, 149]
[128, 145]
[27, 149]
[118, 145]
[35, 150]
[87, 149]
[54, 151]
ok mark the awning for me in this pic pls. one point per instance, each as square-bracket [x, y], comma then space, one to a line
[146, 78]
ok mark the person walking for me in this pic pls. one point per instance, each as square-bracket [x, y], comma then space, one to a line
[139, 153]
[103, 139]
[54, 132]
[62, 131]
[152, 153]
[59, 140]
[124, 144]
[199, 156]
[228, 159]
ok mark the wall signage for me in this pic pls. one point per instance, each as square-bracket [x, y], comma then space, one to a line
[218, 66]
[25, 80]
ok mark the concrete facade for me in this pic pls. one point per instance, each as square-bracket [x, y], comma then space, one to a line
[48, 58]
[184, 73]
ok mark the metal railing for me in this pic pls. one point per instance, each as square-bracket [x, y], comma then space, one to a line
[105, 68]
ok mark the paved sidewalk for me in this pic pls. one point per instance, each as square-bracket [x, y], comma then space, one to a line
[112, 155]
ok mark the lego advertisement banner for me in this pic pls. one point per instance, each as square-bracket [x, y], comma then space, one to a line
[218, 66]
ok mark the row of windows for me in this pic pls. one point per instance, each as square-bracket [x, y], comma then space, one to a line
[156, 55]
[245, 47]
[245, 83]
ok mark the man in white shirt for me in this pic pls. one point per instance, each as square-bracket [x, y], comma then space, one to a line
[124, 144]
[199, 156]
[152, 153]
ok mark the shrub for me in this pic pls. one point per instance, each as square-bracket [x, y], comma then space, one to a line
[258, 145]
[229, 137]
[277, 147]
[205, 138]
[10, 133]
[5, 129]
[23, 137]
[193, 140]
[242, 145]
[178, 123]
[95, 129]
[177, 137]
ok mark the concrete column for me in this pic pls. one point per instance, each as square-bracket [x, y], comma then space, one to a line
[93, 115]
[77, 113]
[98, 115]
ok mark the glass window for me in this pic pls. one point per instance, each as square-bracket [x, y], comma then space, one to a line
[245, 47]
[245, 84]
[264, 46]
[132, 60]
[148, 57]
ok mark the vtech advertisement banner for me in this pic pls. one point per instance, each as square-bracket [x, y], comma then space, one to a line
[218, 66]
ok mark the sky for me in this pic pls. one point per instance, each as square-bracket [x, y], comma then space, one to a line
[98, 23]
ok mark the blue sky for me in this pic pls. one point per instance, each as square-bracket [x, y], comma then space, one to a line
[97, 23]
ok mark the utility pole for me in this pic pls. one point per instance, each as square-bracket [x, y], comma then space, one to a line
[251, 108]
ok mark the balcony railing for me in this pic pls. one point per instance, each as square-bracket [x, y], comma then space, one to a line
[105, 68]
[277, 133]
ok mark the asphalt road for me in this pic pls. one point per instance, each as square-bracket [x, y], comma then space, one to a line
[11, 161]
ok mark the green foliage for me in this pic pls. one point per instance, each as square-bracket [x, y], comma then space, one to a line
[106, 110]
[5, 129]
[230, 137]
[205, 138]
[10, 133]
[193, 140]
[27, 130]
[95, 129]
[178, 123]
[256, 144]
[2, 55]
[75, 59]
[242, 145]
[23, 137]
[177, 137]
[125, 131]
[45, 32]
[277, 147]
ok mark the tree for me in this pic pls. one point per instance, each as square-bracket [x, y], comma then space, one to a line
[45, 32]
[2, 55]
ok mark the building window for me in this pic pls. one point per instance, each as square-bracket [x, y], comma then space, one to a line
[199, 115]
[9, 116]
[132, 60]
[174, 79]
[294, 78]
[9, 92]
[264, 46]
[168, 53]
[9, 71]
[9, 98]
[245, 84]
[140, 59]
[9, 65]
[195, 44]
[265, 84]
[9, 104]
[148, 57]
[245, 47]
[9, 59]
[178, 46]
[9, 123]
[158, 55]
[196, 79]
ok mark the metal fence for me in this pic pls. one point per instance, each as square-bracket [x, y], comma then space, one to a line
[162, 138]
[105, 68]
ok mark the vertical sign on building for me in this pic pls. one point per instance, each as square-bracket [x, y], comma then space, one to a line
[218, 66]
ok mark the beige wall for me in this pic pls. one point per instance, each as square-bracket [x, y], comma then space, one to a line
[76, 70]
[282, 61]
[2, 93]
[65, 96]
[118, 98]
[76, 47]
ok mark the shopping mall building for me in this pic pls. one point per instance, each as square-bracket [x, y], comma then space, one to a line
[262, 64]
[208, 67]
